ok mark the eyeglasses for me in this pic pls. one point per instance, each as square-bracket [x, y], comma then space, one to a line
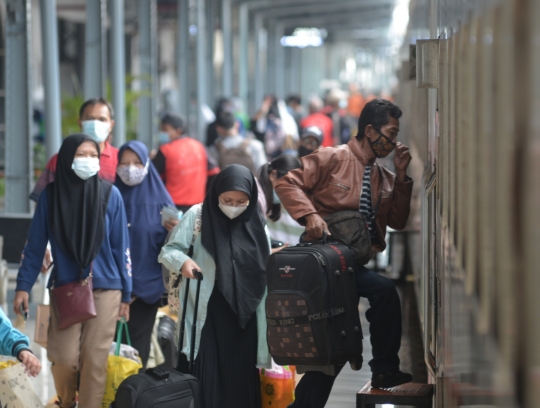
[234, 204]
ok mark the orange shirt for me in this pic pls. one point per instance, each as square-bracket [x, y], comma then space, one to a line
[355, 105]
[186, 170]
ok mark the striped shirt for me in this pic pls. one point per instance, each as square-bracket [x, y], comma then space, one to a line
[365, 199]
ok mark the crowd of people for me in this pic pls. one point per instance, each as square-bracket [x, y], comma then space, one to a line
[248, 193]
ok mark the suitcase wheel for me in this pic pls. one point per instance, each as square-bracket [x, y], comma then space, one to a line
[356, 365]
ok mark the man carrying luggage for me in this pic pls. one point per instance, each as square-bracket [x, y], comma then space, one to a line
[348, 178]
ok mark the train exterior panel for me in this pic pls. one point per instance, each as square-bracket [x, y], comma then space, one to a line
[474, 131]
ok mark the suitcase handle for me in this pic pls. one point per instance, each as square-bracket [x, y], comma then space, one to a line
[323, 241]
[199, 277]
[159, 373]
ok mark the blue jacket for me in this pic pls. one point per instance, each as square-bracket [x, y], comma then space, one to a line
[111, 268]
[12, 341]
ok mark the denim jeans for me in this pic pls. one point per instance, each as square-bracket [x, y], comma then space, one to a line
[384, 317]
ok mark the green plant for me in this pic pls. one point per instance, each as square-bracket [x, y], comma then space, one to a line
[70, 113]
[132, 107]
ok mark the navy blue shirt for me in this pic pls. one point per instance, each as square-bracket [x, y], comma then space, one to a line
[111, 268]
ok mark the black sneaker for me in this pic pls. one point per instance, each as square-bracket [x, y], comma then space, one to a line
[389, 379]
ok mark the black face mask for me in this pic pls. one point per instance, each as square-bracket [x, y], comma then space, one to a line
[383, 146]
[304, 151]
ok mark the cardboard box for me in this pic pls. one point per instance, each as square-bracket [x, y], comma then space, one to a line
[43, 315]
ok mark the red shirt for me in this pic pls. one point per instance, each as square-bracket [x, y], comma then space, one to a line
[108, 162]
[324, 123]
[186, 170]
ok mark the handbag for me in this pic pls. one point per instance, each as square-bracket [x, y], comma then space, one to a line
[351, 228]
[123, 361]
[74, 302]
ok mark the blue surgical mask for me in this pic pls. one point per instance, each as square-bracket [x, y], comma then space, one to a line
[99, 131]
[85, 167]
[163, 138]
[276, 199]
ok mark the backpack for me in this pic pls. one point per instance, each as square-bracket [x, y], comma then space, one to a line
[237, 155]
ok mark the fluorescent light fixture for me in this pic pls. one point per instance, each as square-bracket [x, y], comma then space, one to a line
[305, 37]
[301, 42]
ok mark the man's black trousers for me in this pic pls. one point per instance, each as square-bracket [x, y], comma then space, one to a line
[384, 317]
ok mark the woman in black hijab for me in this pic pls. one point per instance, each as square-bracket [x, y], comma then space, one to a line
[84, 219]
[231, 251]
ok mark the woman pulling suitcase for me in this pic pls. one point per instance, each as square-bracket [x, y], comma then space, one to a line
[231, 251]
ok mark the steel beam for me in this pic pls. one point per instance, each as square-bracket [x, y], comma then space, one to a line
[279, 61]
[183, 57]
[270, 63]
[327, 7]
[118, 70]
[95, 49]
[296, 70]
[18, 171]
[146, 127]
[202, 69]
[226, 26]
[51, 77]
[260, 59]
[309, 4]
[337, 20]
[210, 31]
[243, 80]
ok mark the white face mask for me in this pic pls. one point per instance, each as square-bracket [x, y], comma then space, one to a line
[96, 129]
[231, 211]
[132, 175]
[85, 167]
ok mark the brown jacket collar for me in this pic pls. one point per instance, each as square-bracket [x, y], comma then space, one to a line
[358, 152]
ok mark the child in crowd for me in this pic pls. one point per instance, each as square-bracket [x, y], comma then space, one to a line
[14, 343]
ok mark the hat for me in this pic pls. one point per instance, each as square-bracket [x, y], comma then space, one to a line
[312, 131]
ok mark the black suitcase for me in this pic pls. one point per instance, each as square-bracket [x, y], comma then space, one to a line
[312, 306]
[162, 386]
[166, 339]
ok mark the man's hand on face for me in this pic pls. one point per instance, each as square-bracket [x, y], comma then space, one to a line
[402, 158]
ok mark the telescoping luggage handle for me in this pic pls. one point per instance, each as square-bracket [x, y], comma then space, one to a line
[199, 277]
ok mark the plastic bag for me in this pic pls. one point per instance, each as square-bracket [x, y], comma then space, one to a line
[16, 390]
[118, 368]
[277, 386]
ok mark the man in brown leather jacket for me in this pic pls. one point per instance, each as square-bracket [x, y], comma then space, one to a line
[347, 177]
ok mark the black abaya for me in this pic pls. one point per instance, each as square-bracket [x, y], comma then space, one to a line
[225, 365]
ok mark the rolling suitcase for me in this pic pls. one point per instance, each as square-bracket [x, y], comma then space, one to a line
[162, 386]
[312, 306]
